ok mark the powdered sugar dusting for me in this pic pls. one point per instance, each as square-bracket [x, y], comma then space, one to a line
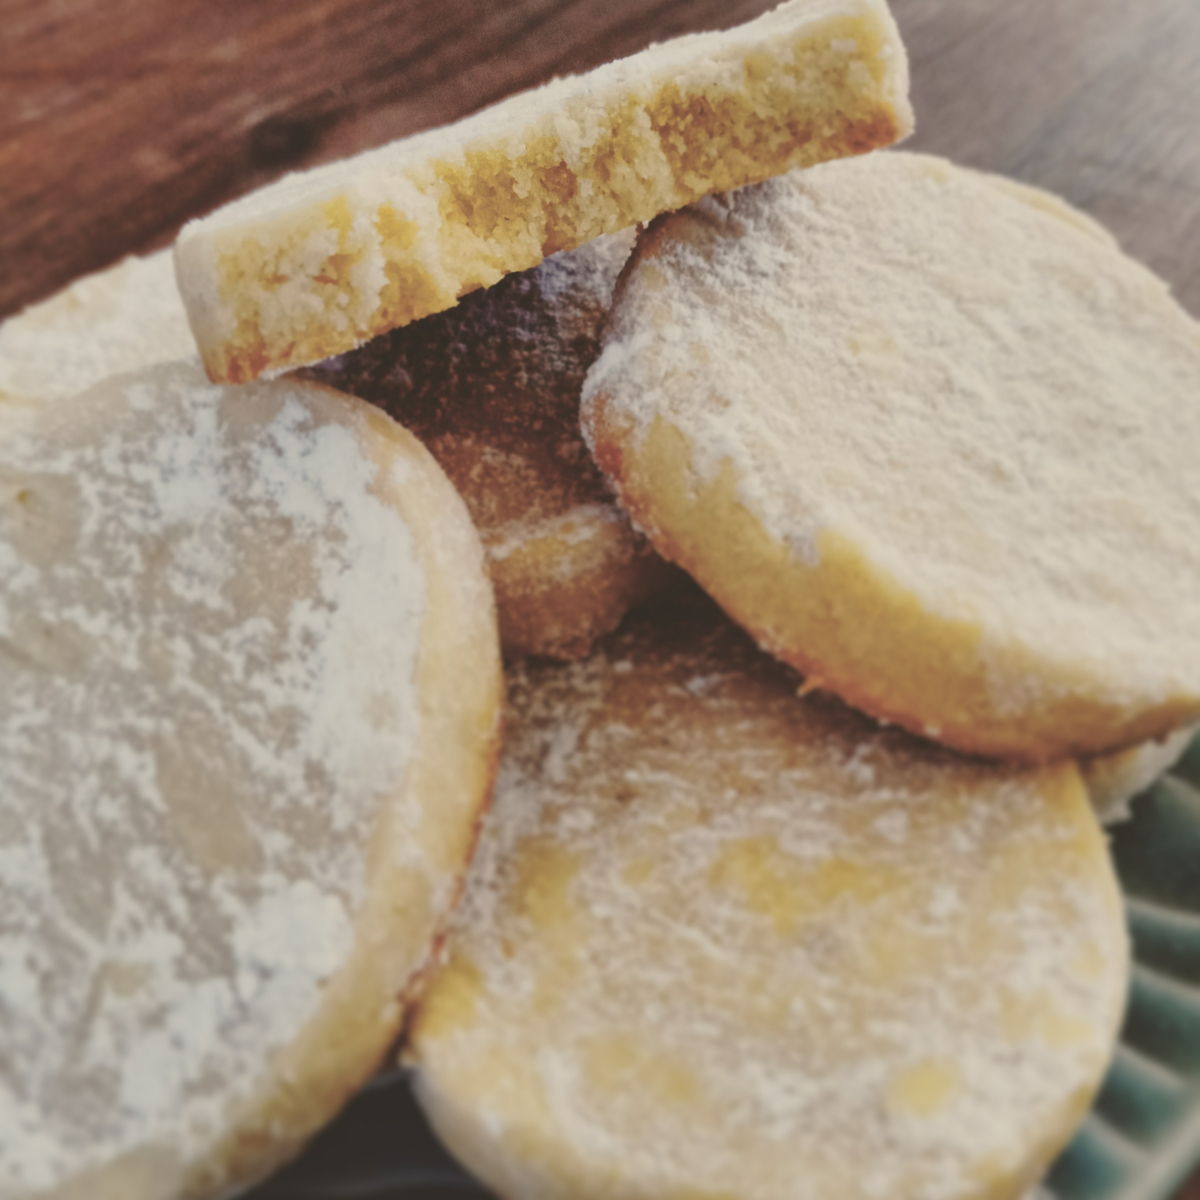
[942, 371]
[491, 388]
[717, 936]
[127, 317]
[208, 615]
[308, 267]
[1115, 779]
[699, 60]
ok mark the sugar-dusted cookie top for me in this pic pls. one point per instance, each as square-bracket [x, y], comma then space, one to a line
[126, 317]
[322, 261]
[247, 724]
[491, 387]
[930, 437]
[719, 939]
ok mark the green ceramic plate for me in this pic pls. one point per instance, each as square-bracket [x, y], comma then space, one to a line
[1140, 1141]
[1142, 1137]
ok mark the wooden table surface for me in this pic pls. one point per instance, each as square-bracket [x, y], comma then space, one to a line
[120, 119]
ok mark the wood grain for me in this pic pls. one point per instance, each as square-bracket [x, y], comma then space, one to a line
[120, 119]
[1093, 99]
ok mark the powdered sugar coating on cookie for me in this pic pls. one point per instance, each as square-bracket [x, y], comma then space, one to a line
[209, 613]
[718, 938]
[1115, 780]
[959, 395]
[320, 262]
[117, 320]
[491, 387]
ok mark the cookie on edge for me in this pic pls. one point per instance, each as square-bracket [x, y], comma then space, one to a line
[491, 388]
[719, 939]
[248, 726]
[322, 261]
[931, 438]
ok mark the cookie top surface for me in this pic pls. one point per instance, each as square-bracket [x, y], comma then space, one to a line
[211, 613]
[320, 262]
[717, 935]
[959, 383]
[126, 317]
[491, 387]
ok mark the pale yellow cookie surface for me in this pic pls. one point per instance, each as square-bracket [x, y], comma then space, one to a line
[931, 438]
[1113, 780]
[491, 387]
[322, 261]
[720, 941]
[126, 317]
[247, 725]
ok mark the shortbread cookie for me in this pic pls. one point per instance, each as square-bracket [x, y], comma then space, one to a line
[492, 389]
[930, 438]
[721, 941]
[1113, 780]
[127, 317]
[320, 262]
[247, 724]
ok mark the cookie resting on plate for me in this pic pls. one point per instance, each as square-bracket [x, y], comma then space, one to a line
[248, 723]
[930, 437]
[722, 941]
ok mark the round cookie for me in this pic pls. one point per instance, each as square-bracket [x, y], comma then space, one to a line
[121, 319]
[248, 724]
[492, 389]
[718, 940]
[931, 438]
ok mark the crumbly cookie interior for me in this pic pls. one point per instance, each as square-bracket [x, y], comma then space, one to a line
[321, 262]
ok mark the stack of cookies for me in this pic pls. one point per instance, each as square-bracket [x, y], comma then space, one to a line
[826, 528]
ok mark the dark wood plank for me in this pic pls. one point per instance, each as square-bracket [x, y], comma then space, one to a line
[121, 119]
